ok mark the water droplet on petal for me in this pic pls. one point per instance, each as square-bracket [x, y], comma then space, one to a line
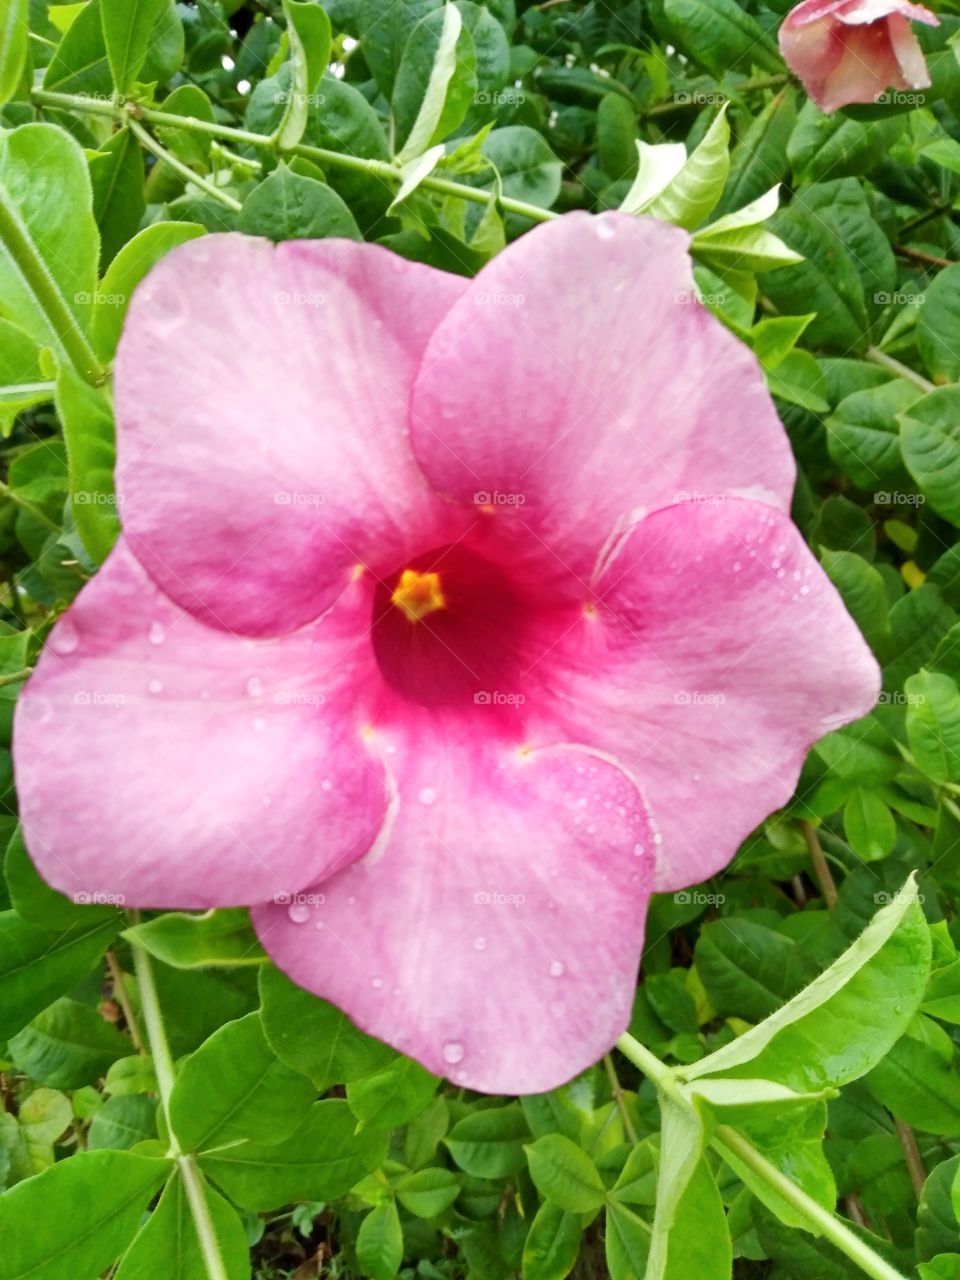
[254, 686]
[157, 633]
[427, 795]
[638, 850]
[65, 636]
[453, 1052]
[377, 982]
[556, 969]
[605, 230]
[155, 686]
[298, 912]
[326, 784]
[259, 723]
[319, 925]
[480, 944]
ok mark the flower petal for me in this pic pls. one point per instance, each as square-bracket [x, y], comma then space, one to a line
[159, 759]
[496, 935]
[578, 380]
[261, 420]
[720, 652]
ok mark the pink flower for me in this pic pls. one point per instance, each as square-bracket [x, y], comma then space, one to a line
[450, 619]
[852, 50]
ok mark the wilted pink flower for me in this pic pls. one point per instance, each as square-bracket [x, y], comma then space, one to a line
[451, 618]
[852, 50]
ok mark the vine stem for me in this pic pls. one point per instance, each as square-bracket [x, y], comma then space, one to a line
[820, 868]
[725, 1139]
[45, 290]
[163, 1065]
[245, 137]
[876, 356]
[182, 169]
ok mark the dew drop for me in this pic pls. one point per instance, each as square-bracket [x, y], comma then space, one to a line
[804, 590]
[254, 686]
[298, 912]
[480, 944]
[266, 801]
[65, 637]
[556, 969]
[259, 723]
[326, 785]
[155, 686]
[351, 900]
[453, 1052]
[638, 850]
[427, 795]
[319, 925]
[737, 566]
[376, 982]
[605, 230]
[156, 633]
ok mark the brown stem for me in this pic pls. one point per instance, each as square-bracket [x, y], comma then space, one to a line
[120, 991]
[819, 863]
[911, 1153]
[917, 255]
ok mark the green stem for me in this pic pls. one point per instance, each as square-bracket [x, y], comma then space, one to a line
[727, 1140]
[163, 1065]
[26, 505]
[819, 863]
[182, 169]
[876, 356]
[244, 137]
[12, 677]
[37, 278]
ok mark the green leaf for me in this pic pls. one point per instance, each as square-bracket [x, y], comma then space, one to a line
[489, 1143]
[436, 82]
[37, 965]
[835, 146]
[659, 164]
[384, 27]
[690, 1235]
[617, 137]
[918, 1079]
[759, 158]
[626, 1242]
[314, 1037]
[393, 1095]
[848, 1018]
[740, 242]
[552, 1244]
[234, 1088]
[721, 35]
[380, 1242]
[22, 379]
[527, 167]
[188, 941]
[863, 435]
[45, 185]
[863, 589]
[87, 419]
[930, 440]
[322, 1160]
[286, 206]
[126, 271]
[747, 969]
[127, 29]
[308, 33]
[122, 1122]
[14, 43]
[869, 825]
[80, 63]
[76, 1217]
[938, 327]
[693, 194]
[42, 1118]
[116, 177]
[933, 725]
[67, 1045]
[167, 1244]
[34, 900]
[565, 1174]
[427, 1192]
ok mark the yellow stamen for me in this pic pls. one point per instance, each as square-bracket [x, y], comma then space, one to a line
[418, 594]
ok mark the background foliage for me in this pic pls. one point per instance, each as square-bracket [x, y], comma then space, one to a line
[284, 1142]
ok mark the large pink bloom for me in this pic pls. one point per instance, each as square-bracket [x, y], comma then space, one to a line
[450, 619]
[848, 51]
